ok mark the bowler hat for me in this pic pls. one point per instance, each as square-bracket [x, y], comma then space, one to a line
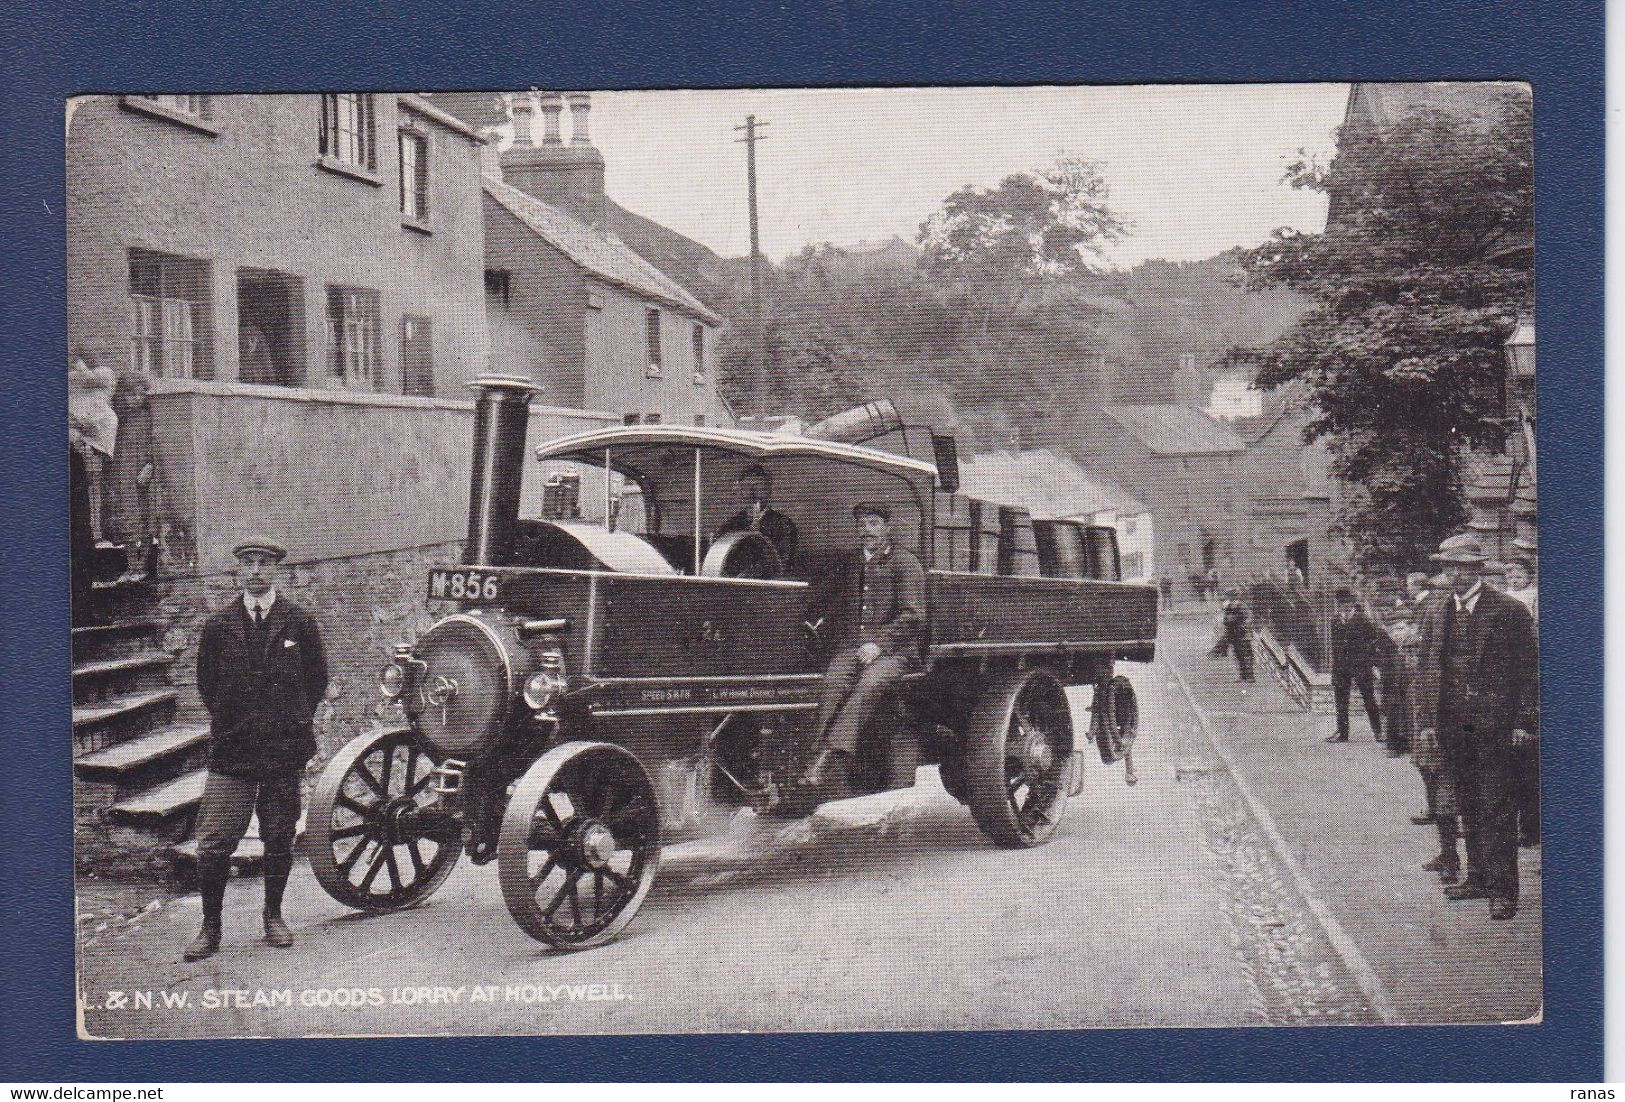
[265, 545]
[1463, 549]
[871, 509]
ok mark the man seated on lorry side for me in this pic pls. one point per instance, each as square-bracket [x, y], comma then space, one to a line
[874, 600]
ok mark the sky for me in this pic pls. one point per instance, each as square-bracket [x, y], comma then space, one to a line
[1194, 169]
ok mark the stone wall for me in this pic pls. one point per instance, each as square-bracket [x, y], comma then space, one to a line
[364, 604]
[331, 474]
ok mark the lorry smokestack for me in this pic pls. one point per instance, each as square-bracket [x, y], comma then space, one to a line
[858, 424]
[501, 421]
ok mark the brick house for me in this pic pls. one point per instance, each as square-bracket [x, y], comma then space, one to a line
[1243, 497]
[291, 289]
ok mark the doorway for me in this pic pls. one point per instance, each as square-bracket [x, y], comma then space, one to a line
[270, 328]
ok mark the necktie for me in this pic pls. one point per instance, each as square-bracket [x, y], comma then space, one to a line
[259, 616]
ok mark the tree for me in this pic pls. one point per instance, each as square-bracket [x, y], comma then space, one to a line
[997, 244]
[1425, 262]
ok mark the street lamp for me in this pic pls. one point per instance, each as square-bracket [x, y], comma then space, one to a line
[1520, 348]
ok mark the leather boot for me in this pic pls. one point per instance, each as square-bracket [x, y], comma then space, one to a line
[831, 774]
[277, 867]
[212, 874]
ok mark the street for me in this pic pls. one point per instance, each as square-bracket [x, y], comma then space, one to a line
[1158, 904]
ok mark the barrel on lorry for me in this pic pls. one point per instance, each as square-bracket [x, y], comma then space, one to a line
[1018, 548]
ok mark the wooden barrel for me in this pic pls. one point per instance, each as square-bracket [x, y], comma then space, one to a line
[1062, 552]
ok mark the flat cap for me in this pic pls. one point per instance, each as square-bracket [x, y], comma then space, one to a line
[871, 509]
[1463, 549]
[265, 545]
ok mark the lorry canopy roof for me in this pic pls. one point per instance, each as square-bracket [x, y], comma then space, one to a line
[587, 447]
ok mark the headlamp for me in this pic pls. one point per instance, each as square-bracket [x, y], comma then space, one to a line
[543, 687]
[392, 681]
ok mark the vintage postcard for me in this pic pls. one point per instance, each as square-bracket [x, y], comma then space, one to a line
[567, 562]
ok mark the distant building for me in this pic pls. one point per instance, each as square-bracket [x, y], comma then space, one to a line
[1242, 497]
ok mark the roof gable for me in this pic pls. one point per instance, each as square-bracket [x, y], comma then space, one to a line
[1049, 486]
[602, 255]
[1168, 429]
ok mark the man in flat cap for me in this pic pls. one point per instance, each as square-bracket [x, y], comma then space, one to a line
[874, 600]
[1478, 689]
[261, 672]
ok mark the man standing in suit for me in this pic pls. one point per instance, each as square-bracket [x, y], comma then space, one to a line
[874, 600]
[1355, 654]
[1479, 689]
[756, 486]
[261, 672]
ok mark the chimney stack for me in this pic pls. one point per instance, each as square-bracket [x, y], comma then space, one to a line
[552, 103]
[570, 177]
[580, 106]
[521, 108]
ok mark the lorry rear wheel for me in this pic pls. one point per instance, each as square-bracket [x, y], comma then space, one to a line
[579, 846]
[1016, 757]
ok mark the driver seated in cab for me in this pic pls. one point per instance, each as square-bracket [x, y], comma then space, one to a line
[874, 600]
[755, 486]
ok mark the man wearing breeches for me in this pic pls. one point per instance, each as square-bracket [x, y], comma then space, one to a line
[261, 673]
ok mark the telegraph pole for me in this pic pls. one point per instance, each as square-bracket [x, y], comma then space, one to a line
[753, 134]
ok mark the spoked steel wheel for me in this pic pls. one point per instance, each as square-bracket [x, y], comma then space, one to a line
[1017, 746]
[579, 845]
[378, 840]
[1117, 718]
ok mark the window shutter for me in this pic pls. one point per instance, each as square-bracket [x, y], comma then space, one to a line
[327, 123]
[367, 132]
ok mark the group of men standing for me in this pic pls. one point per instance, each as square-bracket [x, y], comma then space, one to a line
[1461, 692]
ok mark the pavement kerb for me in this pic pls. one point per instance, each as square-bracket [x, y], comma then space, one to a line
[1371, 986]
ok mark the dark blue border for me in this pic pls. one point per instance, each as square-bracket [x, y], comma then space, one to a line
[56, 49]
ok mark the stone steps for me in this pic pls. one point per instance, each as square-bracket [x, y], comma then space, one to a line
[138, 754]
[86, 716]
[128, 663]
[161, 802]
[86, 634]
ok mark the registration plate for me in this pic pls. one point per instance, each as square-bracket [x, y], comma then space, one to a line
[464, 584]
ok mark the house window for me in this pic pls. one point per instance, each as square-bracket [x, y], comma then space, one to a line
[699, 420]
[1129, 527]
[651, 334]
[417, 357]
[651, 418]
[347, 130]
[498, 283]
[352, 337]
[699, 355]
[169, 316]
[631, 419]
[414, 175]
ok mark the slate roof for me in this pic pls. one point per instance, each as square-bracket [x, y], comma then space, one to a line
[1049, 486]
[605, 256]
[1170, 429]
